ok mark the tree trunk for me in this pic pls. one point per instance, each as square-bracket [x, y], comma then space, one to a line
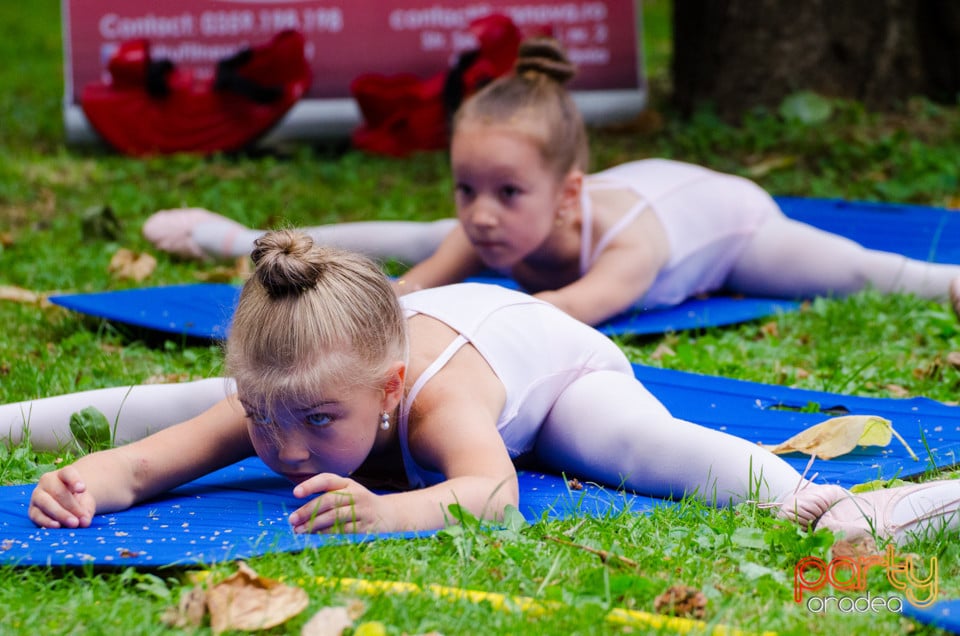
[740, 54]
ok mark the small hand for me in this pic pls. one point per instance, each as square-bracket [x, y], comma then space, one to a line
[343, 506]
[61, 500]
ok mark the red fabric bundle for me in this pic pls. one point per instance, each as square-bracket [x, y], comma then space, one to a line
[153, 107]
[403, 113]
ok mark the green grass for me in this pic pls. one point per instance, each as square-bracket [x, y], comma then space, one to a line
[741, 559]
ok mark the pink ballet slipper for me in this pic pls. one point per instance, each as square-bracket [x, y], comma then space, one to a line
[172, 231]
[895, 513]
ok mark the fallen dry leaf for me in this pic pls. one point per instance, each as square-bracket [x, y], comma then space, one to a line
[246, 601]
[329, 621]
[765, 166]
[770, 329]
[20, 295]
[681, 600]
[225, 274]
[953, 359]
[840, 435]
[128, 265]
[897, 391]
[332, 621]
[662, 351]
[865, 546]
[189, 612]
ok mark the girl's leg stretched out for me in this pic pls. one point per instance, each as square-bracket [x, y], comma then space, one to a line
[199, 233]
[607, 427]
[787, 258]
[136, 411]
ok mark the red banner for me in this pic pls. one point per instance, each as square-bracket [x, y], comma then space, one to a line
[346, 38]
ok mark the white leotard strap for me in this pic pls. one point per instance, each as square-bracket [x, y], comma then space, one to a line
[586, 230]
[589, 256]
[431, 371]
[407, 402]
[617, 227]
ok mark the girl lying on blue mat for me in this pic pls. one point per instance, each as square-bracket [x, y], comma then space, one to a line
[336, 380]
[654, 231]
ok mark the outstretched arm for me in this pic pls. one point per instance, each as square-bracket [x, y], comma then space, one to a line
[454, 260]
[117, 478]
[619, 277]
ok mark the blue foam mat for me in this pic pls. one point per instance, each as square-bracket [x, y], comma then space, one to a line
[942, 614]
[241, 511]
[236, 513]
[203, 310]
[771, 413]
[926, 233]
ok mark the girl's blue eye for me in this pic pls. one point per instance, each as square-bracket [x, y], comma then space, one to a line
[257, 418]
[319, 419]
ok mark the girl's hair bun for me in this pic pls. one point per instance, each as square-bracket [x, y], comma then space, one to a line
[545, 56]
[286, 263]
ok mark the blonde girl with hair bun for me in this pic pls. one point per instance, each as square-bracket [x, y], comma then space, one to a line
[339, 384]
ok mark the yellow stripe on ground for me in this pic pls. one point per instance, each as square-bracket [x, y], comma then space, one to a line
[527, 605]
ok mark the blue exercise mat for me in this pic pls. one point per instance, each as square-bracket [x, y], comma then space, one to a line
[944, 615]
[925, 233]
[770, 414]
[236, 513]
[203, 310]
[241, 511]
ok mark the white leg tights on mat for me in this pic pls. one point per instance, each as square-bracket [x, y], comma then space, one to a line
[607, 427]
[405, 241]
[136, 411]
[787, 258]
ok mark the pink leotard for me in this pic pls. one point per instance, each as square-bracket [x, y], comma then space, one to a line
[535, 349]
[708, 217]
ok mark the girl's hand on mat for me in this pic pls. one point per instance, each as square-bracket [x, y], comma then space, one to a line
[343, 506]
[61, 500]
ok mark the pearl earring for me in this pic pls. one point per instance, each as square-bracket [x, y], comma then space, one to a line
[384, 421]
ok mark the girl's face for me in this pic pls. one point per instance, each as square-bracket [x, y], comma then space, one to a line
[335, 435]
[507, 200]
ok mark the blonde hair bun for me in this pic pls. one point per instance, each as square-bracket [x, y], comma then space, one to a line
[544, 56]
[286, 263]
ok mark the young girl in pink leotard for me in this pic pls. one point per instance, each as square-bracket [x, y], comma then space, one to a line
[648, 233]
[336, 380]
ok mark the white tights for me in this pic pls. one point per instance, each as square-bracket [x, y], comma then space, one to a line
[607, 427]
[790, 259]
[405, 241]
[135, 411]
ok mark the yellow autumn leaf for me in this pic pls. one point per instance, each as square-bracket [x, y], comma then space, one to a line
[840, 435]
